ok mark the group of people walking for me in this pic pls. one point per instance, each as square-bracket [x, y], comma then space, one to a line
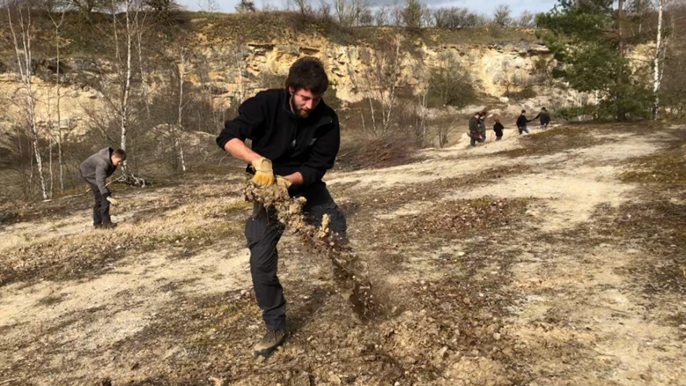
[477, 125]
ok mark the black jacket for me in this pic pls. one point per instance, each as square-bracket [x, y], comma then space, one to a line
[482, 127]
[97, 168]
[474, 127]
[521, 121]
[544, 117]
[498, 128]
[308, 146]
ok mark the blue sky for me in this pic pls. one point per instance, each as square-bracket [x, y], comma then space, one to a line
[479, 6]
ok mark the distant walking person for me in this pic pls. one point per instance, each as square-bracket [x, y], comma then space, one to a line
[498, 128]
[95, 170]
[521, 123]
[543, 117]
[474, 129]
[482, 126]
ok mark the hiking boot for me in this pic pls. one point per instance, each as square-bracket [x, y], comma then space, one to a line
[271, 340]
[108, 225]
[97, 226]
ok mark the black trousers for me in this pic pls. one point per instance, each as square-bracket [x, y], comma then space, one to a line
[101, 209]
[263, 232]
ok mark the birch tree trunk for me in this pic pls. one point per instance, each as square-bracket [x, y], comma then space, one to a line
[25, 73]
[388, 113]
[59, 116]
[658, 49]
[179, 143]
[127, 82]
[144, 83]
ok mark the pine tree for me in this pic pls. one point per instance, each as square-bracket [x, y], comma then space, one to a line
[585, 40]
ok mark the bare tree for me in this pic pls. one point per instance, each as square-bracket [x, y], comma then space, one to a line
[24, 68]
[59, 95]
[422, 100]
[381, 15]
[639, 11]
[382, 82]
[450, 85]
[87, 6]
[658, 53]
[502, 15]
[178, 143]
[526, 19]
[412, 14]
[324, 10]
[303, 6]
[455, 17]
[139, 31]
[118, 92]
[126, 81]
[208, 5]
[162, 6]
[245, 6]
[352, 12]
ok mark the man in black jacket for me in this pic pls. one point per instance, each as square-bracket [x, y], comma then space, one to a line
[475, 129]
[544, 118]
[521, 123]
[295, 139]
[95, 170]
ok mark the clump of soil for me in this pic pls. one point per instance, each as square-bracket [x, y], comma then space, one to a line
[347, 271]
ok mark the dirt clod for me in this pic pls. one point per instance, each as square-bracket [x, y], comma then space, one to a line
[351, 282]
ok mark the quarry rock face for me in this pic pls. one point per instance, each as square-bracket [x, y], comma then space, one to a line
[230, 73]
[494, 69]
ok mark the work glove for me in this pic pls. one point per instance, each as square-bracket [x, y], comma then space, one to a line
[282, 182]
[264, 175]
[112, 200]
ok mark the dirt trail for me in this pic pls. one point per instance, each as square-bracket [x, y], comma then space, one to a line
[493, 265]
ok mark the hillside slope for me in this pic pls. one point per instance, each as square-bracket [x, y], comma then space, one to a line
[555, 258]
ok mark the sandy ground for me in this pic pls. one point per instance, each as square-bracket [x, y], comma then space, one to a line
[492, 267]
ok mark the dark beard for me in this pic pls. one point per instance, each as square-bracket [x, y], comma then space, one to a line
[295, 110]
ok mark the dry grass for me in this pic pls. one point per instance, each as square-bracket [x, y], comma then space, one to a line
[194, 218]
[554, 141]
[463, 294]
[463, 217]
[665, 167]
[377, 153]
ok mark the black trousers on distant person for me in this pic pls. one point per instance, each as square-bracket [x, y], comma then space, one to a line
[263, 232]
[101, 209]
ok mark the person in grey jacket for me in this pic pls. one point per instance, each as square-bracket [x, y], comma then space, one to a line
[95, 170]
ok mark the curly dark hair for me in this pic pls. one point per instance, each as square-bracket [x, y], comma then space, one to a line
[308, 73]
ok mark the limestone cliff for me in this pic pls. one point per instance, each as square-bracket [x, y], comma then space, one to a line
[233, 72]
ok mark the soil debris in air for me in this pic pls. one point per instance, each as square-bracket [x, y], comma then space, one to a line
[348, 273]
